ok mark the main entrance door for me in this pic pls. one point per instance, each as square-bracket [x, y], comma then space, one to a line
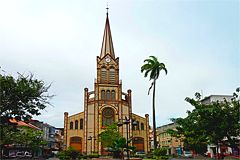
[76, 143]
[138, 142]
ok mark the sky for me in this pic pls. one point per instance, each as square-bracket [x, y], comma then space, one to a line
[58, 41]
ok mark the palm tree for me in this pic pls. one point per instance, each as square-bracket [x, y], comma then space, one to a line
[152, 67]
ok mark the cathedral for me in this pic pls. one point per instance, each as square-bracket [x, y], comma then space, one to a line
[104, 105]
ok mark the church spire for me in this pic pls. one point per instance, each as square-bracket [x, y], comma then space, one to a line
[107, 43]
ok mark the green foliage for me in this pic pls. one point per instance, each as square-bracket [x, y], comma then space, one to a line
[110, 137]
[24, 136]
[21, 98]
[160, 152]
[153, 67]
[69, 154]
[149, 155]
[209, 123]
[93, 155]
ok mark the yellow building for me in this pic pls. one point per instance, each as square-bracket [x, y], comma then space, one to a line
[107, 103]
[165, 140]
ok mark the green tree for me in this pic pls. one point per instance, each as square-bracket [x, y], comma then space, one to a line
[112, 139]
[29, 137]
[22, 97]
[152, 68]
[24, 136]
[210, 123]
[109, 136]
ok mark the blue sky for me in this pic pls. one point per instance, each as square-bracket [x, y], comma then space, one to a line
[58, 42]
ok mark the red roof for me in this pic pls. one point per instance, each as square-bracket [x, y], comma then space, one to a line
[22, 123]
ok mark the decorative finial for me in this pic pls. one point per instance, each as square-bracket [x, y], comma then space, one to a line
[107, 8]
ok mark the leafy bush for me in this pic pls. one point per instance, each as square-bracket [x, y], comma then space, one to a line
[69, 154]
[160, 153]
[149, 155]
[164, 157]
[93, 155]
[140, 156]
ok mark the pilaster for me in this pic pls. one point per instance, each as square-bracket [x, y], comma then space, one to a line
[65, 142]
[85, 119]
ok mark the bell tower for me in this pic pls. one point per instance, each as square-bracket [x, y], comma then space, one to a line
[107, 64]
[107, 82]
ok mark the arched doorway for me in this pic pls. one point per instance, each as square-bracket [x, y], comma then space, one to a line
[138, 142]
[76, 143]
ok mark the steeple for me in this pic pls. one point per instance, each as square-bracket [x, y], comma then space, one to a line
[107, 43]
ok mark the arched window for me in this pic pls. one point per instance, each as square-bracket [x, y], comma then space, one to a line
[103, 95]
[113, 95]
[76, 124]
[81, 123]
[103, 74]
[112, 75]
[71, 125]
[133, 125]
[107, 116]
[108, 95]
[137, 125]
[142, 126]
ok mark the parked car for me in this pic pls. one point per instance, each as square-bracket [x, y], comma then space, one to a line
[28, 155]
[140, 154]
[20, 154]
[12, 155]
[187, 154]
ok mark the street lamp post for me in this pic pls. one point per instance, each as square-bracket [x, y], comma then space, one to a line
[127, 121]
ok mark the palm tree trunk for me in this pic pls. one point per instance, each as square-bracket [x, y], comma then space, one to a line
[154, 121]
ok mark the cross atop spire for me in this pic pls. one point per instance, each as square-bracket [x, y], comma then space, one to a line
[107, 8]
[107, 43]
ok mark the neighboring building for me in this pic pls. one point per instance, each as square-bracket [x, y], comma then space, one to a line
[11, 150]
[59, 134]
[53, 136]
[215, 98]
[165, 140]
[151, 141]
[107, 103]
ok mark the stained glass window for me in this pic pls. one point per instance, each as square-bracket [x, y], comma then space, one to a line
[107, 116]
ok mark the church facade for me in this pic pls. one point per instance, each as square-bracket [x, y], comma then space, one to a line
[106, 104]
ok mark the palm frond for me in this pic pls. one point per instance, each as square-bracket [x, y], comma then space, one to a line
[154, 58]
[149, 61]
[146, 73]
[145, 67]
[165, 70]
